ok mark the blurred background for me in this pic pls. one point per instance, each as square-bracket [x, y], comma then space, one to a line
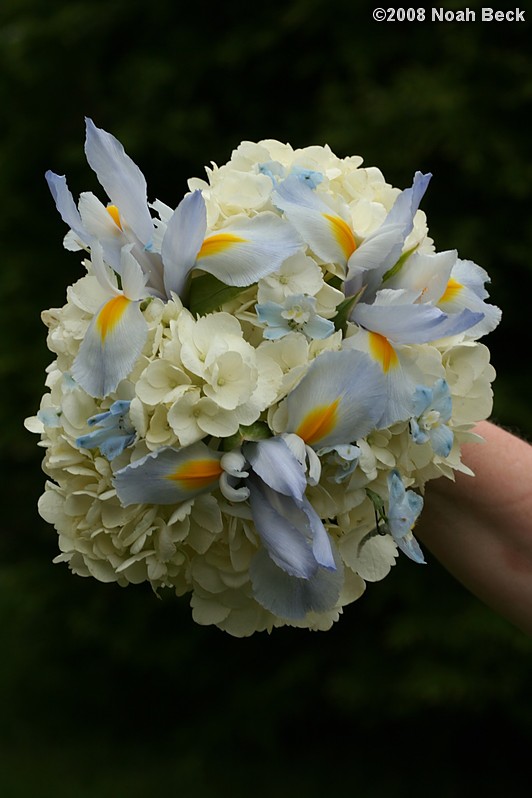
[109, 692]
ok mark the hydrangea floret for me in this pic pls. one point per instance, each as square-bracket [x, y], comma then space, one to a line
[252, 386]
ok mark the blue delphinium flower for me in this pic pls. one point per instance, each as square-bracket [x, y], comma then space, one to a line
[113, 431]
[403, 511]
[432, 409]
[297, 314]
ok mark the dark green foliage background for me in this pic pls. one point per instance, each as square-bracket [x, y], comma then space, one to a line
[109, 692]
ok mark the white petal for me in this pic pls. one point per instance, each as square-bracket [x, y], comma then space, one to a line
[66, 206]
[242, 253]
[182, 241]
[112, 344]
[121, 178]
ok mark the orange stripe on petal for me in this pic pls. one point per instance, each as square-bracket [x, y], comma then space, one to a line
[381, 350]
[197, 474]
[452, 290]
[221, 242]
[343, 234]
[318, 423]
[110, 315]
[113, 212]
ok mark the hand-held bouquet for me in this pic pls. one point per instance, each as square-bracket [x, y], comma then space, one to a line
[250, 387]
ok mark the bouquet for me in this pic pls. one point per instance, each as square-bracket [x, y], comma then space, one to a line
[251, 389]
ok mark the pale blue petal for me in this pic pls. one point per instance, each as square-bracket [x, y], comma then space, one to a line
[441, 438]
[133, 278]
[321, 542]
[163, 477]
[275, 333]
[412, 323]
[292, 598]
[471, 296]
[50, 417]
[404, 507]
[348, 388]
[104, 360]
[283, 529]
[277, 466]
[272, 169]
[308, 176]
[407, 203]
[319, 225]
[113, 431]
[296, 192]
[271, 313]
[121, 178]
[419, 436]
[422, 399]
[64, 202]
[442, 400]
[375, 255]
[318, 328]
[381, 250]
[411, 548]
[182, 241]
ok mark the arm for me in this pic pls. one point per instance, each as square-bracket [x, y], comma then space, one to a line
[480, 528]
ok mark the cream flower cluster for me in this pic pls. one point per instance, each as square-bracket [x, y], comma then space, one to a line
[251, 390]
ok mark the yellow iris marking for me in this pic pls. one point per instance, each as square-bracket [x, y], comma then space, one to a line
[318, 423]
[452, 290]
[113, 212]
[110, 315]
[343, 234]
[220, 242]
[197, 474]
[381, 349]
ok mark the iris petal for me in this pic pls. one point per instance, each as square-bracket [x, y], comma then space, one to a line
[182, 241]
[340, 399]
[169, 476]
[121, 178]
[113, 342]
[287, 596]
[252, 249]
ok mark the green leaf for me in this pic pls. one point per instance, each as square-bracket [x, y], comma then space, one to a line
[207, 293]
[335, 282]
[344, 309]
[258, 431]
[396, 268]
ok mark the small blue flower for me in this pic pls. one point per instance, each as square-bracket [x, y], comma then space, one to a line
[276, 172]
[298, 314]
[432, 409]
[272, 169]
[113, 431]
[308, 176]
[50, 416]
[403, 511]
